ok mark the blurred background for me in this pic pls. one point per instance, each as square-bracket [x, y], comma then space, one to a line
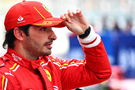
[114, 20]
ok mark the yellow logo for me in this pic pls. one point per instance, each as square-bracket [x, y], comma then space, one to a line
[48, 75]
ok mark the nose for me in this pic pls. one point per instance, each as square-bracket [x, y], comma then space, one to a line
[52, 35]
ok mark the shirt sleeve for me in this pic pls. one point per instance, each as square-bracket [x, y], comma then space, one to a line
[95, 67]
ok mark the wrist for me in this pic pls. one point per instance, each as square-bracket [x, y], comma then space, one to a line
[86, 33]
[92, 40]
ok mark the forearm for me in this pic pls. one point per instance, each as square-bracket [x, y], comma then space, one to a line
[95, 55]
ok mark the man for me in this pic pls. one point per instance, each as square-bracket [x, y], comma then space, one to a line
[27, 65]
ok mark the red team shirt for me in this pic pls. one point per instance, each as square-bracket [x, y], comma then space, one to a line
[49, 73]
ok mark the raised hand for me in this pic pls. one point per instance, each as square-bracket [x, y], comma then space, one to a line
[75, 22]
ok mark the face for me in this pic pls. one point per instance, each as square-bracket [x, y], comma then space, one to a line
[39, 41]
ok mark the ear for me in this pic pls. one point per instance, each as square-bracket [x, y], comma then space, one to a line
[19, 34]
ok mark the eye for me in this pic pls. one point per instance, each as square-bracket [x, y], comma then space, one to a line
[43, 29]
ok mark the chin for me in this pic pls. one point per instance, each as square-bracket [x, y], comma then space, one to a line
[47, 53]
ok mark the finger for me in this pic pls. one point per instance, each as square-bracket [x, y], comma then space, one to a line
[70, 13]
[63, 17]
[67, 17]
[78, 12]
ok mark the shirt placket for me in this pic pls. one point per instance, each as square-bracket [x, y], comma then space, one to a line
[47, 82]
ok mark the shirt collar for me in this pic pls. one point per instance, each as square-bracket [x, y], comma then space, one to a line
[30, 64]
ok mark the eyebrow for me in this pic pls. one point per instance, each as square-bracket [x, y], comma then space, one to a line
[44, 27]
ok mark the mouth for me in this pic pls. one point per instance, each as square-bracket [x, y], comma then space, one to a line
[49, 45]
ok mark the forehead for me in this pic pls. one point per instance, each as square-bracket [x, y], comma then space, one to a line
[33, 27]
[36, 27]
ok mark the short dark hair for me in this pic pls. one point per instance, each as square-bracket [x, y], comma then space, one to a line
[10, 38]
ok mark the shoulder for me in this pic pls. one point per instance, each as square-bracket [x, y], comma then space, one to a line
[56, 59]
[2, 61]
[3, 67]
[65, 62]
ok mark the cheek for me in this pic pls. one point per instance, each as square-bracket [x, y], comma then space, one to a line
[38, 38]
[39, 41]
[36, 42]
[32, 45]
[42, 37]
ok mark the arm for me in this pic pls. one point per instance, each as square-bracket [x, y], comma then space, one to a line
[95, 68]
